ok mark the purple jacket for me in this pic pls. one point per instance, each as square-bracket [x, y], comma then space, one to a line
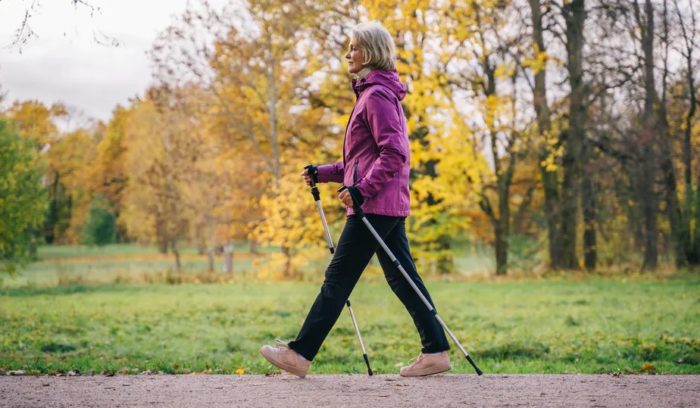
[376, 157]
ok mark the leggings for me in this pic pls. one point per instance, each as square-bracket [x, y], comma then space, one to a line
[354, 251]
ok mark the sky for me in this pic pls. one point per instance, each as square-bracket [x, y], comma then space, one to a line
[64, 62]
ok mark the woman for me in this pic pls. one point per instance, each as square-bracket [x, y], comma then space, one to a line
[375, 168]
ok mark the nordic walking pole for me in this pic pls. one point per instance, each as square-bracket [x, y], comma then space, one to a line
[331, 248]
[361, 214]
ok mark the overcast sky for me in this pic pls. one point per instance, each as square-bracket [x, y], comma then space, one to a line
[64, 63]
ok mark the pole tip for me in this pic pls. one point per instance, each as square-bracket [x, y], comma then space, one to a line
[369, 369]
[477, 369]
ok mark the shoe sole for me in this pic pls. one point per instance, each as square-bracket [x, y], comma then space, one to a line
[285, 367]
[426, 375]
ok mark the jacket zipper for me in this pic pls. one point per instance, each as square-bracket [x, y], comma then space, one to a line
[354, 173]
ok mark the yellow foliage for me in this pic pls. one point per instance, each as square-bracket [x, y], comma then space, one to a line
[290, 220]
[34, 120]
[505, 71]
[538, 62]
[71, 159]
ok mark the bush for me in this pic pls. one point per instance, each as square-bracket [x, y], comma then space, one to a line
[100, 226]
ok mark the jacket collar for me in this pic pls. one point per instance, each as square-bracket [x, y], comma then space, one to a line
[359, 80]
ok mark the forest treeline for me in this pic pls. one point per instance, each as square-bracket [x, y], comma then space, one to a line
[568, 128]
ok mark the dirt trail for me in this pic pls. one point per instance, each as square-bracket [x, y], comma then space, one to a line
[351, 390]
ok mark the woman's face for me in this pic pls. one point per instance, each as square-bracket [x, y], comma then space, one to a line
[355, 57]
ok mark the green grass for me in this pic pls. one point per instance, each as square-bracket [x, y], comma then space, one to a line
[592, 325]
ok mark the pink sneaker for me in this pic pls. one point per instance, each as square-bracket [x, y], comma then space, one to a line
[427, 364]
[286, 359]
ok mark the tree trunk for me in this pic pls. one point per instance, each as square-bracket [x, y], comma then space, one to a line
[228, 258]
[648, 195]
[253, 247]
[691, 211]
[501, 247]
[210, 259]
[575, 16]
[590, 253]
[176, 252]
[287, 262]
[696, 234]
[504, 178]
[544, 124]
[673, 210]
[649, 210]
[668, 169]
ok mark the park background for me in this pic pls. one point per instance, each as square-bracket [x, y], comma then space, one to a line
[555, 190]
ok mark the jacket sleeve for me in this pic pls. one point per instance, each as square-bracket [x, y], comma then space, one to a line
[331, 172]
[386, 125]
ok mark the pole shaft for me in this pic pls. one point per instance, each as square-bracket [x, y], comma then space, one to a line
[396, 262]
[357, 329]
[329, 239]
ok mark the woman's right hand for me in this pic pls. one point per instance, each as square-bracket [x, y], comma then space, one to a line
[307, 176]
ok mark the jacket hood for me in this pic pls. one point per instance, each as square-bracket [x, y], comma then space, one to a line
[388, 79]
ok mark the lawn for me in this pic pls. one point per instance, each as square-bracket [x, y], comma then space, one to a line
[591, 325]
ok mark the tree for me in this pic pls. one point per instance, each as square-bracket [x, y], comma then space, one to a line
[689, 213]
[100, 226]
[23, 198]
[483, 66]
[108, 176]
[69, 174]
[575, 149]
[547, 142]
[35, 121]
[162, 140]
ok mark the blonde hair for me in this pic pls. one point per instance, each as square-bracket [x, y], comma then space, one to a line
[377, 45]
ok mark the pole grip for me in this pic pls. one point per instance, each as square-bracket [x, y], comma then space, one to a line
[313, 172]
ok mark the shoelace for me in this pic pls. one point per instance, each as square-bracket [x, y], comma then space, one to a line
[282, 343]
[416, 359]
[285, 345]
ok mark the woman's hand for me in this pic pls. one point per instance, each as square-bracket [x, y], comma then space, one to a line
[345, 198]
[307, 177]
[308, 173]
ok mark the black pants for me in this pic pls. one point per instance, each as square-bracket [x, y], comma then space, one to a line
[355, 249]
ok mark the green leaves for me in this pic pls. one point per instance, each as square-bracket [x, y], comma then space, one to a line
[23, 199]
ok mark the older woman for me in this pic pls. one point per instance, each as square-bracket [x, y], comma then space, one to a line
[375, 168]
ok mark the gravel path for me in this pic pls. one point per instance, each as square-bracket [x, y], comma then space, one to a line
[351, 390]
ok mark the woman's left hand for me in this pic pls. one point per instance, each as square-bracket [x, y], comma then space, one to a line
[345, 197]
